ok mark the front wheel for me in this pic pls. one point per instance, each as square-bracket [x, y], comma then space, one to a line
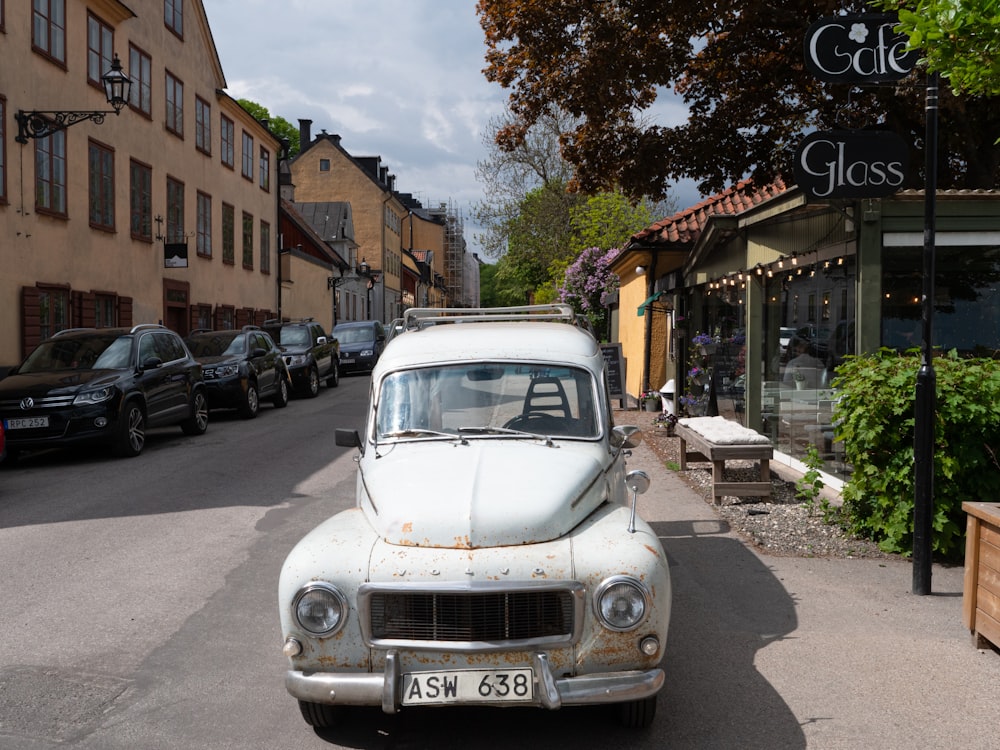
[312, 388]
[281, 398]
[637, 714]
[197, 423]
[251, 402]
[131, 435]
[320, 715]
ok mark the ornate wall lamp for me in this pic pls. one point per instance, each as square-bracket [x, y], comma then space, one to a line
[39, 124]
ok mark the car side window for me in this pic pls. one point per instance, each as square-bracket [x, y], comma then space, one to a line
[147, 347]
[167, 347]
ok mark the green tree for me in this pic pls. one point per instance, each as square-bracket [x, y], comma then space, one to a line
[960, 39]
[737, 67]
[281, 127]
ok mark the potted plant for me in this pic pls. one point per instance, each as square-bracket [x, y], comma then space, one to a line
[705, 343]
[650, 400]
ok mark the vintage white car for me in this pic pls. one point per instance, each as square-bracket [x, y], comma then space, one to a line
[494, 556]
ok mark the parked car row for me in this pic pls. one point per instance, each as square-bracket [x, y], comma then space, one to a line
[107, 386]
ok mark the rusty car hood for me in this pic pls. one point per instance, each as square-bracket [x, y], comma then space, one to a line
[482, 493]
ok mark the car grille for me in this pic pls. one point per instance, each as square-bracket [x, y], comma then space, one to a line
[13, 407]
[516, 618]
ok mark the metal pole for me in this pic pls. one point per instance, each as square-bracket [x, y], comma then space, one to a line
[926, 391]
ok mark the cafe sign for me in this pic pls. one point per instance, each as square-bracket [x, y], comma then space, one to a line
[851, 164]
[858, 48]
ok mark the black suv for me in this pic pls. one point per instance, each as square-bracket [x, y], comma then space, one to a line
[310, 354]
[240, 368]
[102, 385]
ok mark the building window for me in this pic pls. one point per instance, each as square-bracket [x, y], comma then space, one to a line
[204, 241]
[105, 311]
[265, 169]
[247, 155]
[48, 29]
[265, 247]
[53, 311]
[100, 50]
[2, 24]
[50, 173]
[140, 70]
[228, 234]
[324, 165]
[227, 141]
[247, 240]
[141, 201]
[175, 210]
[203, 317]
[173, 16]
[3, 141]
[202, 125]
[175, 105]
[101, 163]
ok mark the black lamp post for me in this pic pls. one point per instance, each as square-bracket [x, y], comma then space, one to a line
[40, 123]
[373, 276]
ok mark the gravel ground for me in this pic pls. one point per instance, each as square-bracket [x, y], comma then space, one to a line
[779, 525]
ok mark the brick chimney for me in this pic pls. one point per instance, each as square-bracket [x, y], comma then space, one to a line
[305, 133]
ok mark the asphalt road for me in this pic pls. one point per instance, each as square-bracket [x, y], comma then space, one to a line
[139, 612]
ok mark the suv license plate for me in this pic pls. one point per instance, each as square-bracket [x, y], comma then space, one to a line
[468, 686]
[26, 423]
[347, 360]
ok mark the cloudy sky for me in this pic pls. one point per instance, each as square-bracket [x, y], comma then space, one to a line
[400, 79]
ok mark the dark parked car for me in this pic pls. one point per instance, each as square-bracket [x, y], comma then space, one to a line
[311, 356]
[361, 344]
[102, 385]
[241, 368]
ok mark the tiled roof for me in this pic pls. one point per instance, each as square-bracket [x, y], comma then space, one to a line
[686, 226]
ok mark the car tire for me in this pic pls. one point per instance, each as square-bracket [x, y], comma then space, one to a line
[131, 437]
[637, 714]
[197, 423]
[251, 402]
[320, 715]
[312, 386]
[334, 380]
[280, 399]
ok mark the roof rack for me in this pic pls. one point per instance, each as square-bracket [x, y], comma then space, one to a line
[421, 317]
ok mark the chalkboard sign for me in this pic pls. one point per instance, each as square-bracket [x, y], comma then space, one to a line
[616, 370]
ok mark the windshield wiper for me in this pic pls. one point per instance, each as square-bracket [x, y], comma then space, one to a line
[490, 430]
[422, 432]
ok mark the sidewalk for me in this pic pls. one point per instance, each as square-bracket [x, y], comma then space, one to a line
[784, 652]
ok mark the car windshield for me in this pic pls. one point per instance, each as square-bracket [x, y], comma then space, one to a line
[487, 400]
[353, 334]
[293, 336]
[97, 352]
[220, 345]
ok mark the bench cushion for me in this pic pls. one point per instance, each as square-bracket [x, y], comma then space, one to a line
[721, 431]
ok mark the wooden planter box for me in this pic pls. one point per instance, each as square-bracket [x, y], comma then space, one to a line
[981, 591]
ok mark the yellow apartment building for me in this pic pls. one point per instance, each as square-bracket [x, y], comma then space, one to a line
[166, 212]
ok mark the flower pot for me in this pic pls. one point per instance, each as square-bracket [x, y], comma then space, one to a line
[800, 385]
[707, 350]
[651, 405]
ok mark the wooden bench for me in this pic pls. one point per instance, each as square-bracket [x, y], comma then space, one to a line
[981, 592]
[718, 453]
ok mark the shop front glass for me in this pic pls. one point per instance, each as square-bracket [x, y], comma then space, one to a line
[808, 330]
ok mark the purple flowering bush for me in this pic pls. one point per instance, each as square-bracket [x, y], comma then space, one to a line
[587, 283]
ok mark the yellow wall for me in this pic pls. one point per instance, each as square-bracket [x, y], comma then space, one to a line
[37, 249]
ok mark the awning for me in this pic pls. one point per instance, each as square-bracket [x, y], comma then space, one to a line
[642, 308]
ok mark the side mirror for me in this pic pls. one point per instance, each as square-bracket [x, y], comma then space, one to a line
[346, 438]
[626, 436]
[638, 482]
[320, 340]
[258, 352]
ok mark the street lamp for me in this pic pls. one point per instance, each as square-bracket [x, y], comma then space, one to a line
[40, 124]
[373, 276]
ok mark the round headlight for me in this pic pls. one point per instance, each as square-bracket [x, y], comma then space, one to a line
[621, 603]
[320, 609]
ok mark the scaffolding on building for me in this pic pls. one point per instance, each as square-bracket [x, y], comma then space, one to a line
[454, 253]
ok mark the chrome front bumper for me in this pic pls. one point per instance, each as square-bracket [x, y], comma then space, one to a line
[357, 689]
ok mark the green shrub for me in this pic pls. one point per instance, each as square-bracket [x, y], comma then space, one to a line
[874, 417]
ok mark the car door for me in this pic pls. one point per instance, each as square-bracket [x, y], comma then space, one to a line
[154, 378]
[177, 376]
[324, 361]
[263, 364]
